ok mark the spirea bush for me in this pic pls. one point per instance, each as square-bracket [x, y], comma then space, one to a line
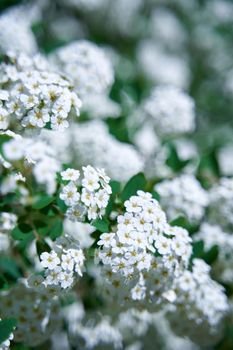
[116, 188]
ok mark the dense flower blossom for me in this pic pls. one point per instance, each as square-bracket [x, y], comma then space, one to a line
[221, 203]
[65, 260]
[92, 263]
[144, 254]
[183, 195]
[37, 313]
[39, 156]
[7, 223]
[171, 110]
[94, 145]
[225, 155]
[214, 236]
[34, 94]
[160, 67]
[15, 31]
[200, 304]
[87, 65]
[91, 199]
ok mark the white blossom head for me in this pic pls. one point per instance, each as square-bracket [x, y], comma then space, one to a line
[170, 110]
[183, 195]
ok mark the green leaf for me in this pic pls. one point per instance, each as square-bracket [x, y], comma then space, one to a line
[3, 283]
[42, 246]
[7, 326]
[137, 182]
[8, 265]
[173, 161]
[101, 225]
[115, 186]
[43, 202]
[56, 230]
[180, 221]
[155, 195]
[198, 250]
[211, 255]
[20, 233]
[61, 204]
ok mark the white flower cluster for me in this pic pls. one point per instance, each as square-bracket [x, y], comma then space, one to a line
[200, 305]
[102, 334]
[7, 223]
[94, 145]
[183, 195]
[64, 261]
[34, 94]
[15, 32]
[213, 235]
[36, 154]
[37, 314]
[93, 196]
[225, 156]
[85, 5]
[171, 110]
[144, 254]
[87, 66]
[161, 67]
[221, 204]
[6, 344]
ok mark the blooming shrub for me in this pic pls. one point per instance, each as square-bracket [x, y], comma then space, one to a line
[116, 185]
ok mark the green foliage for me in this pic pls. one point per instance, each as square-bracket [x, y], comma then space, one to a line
[8, 266]
[43, 202]
[56, 229]
[209, 256]
[23, 233]
[137, 182]
[180, 221]
[101, 225]
[6, 327]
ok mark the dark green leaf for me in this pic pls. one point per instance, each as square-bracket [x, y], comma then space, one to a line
[211, 256]
[56, 230]
[61, 204]
[180, 221]
[137, 182]
[42, 246]
[101, 225]
[43, 202]
[7, 325]
[8, 265]
[116, 187]
[198, 249]
[155, 195]
[3, 283]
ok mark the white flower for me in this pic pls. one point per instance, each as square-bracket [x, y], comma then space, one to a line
[101, 198]
[58, 123]
[66, 279]
[107, 239]
[4, 118]
[38, 117]
[49, 260]
[67, 262]
[91, 182]
[69, 194]
[70, 174]
[76, 213]
[163, 245]
[35, 281]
